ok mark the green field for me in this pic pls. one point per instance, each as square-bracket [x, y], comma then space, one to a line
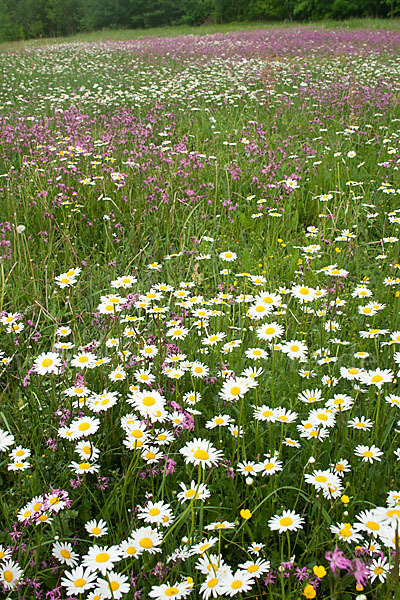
[199, 313]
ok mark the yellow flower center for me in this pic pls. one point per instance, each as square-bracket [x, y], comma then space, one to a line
[47, 362]
[146, 543]
[235, 585]
[114, 585]
[372, 525]
[253, 568]
[102, 557]
[267, 413]
[65, 554]
[377, 378]
[171, 591]
[321, 478]
[201, 454]
[79, 583]
[286, 521]
[96, 530]
[8, 576]
[148, 401]
[212, 582]
[84, 426]
[235, 391]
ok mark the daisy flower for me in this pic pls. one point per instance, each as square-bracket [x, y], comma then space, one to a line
[5, 553]
[78, 581]
[255, 568]
[148, 402]
[203, 546]
[341, 467]
[199, 370]
[264, 413]
[270, 465]
[220, 525]
[219, 421]
[64, 553]
[228, 256]
[377, 377]
[6, 440]
[10, 574]
[361, 423]
[147, 539]
[158, 513]
[310, 396]
[130, 548]
[149, 351]
[248, 468]
[101, 558]
[144, 376]
[167, 591]
[255, 548]
[192, 397]
[114, 587]
[201, 452]
[256, 353]
[346, 533]
[295, 349]
[288, 521]
[371, 522]
[303, 293]
[96, 528]
[233, 389]
[85, 426]
[368, 453]
[20, 454]
[84, 467]
[152, 454]
[48, 362]
[239, 582]
[177, 333]
[212, 586]
[379, 568]
[194, 491]
[118, 374]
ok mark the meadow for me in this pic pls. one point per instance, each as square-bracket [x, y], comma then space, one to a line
[199, 317]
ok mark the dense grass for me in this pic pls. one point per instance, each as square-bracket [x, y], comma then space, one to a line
[207, 225]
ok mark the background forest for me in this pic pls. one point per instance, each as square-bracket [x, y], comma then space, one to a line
[22, 19]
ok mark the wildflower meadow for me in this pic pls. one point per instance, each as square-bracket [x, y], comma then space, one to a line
[199, 317]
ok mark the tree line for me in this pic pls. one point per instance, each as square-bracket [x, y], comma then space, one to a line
[23, 19]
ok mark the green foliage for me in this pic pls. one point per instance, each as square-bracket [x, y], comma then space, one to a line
[23, 19]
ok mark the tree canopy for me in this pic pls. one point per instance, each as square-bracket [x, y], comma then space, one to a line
[22, 19]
